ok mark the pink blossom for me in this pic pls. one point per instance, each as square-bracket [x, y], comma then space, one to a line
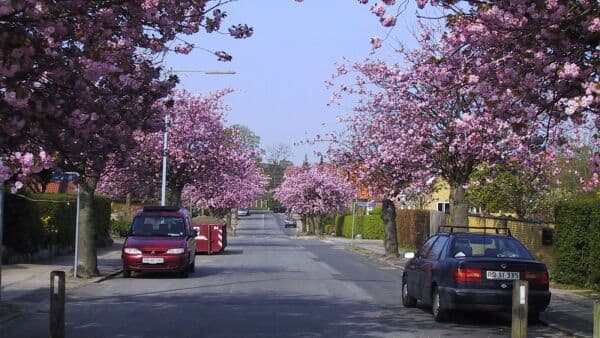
[376, 42]
[378, 9]
[388, 21]
[569, 70]
[594, 25]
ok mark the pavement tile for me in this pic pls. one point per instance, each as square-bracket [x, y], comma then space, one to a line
[25, 286]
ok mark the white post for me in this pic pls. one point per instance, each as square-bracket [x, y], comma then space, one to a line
[163, 190]
[76, 263]
[353, 213]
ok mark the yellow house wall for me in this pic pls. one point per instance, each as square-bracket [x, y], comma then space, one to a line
[441, 194]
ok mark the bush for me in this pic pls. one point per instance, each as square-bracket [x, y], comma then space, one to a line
[101, 206]
[376, 211]
[369, 226]
[339, 225]
[41, 220]
[372, 227]
[577, 242]
[116, 227]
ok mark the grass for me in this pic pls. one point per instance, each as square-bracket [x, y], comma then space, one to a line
[590, 293]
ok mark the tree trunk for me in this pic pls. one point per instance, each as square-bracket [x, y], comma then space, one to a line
[319, 225]
[304, 224]
[234, 220]
[388, 216]
[128, 207]
[228, 220]
[87, 262]
[175, 196]
[459, 207]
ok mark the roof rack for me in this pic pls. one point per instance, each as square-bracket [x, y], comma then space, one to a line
[160, 208]
[496, 229]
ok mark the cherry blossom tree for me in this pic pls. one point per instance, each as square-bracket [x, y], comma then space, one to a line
[424, 120]
[314, 191]
[237, 185]
[208, 163]
[527, 59]
[77, 79]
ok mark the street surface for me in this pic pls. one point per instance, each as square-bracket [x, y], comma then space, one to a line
[268, 283]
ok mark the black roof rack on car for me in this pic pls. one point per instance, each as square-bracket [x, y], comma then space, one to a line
[496, 229]
[160, 208]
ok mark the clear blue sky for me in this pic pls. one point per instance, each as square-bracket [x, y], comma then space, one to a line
[281, 70]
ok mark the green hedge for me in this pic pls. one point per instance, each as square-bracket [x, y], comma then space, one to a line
[577, 242]
[42, 219]
[117, 226]
[369, 226]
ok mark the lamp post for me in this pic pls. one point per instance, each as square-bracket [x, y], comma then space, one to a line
[1, 225]
[163, 189]
[72, 176]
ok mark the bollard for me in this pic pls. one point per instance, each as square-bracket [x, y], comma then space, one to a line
[596, 333]
[519, 309]
[57, 304]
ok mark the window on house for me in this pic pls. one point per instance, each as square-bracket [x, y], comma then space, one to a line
[443, 207]
[474, 210]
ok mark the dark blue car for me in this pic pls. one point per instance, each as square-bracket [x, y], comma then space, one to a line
[473, 271]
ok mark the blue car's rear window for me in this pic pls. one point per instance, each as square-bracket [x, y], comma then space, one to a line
[488, 246]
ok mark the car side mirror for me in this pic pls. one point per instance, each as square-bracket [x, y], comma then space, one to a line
[194, 233]
[124, 233]
[409, 255]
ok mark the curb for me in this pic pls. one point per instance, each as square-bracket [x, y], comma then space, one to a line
[564, 329]
[109, 276]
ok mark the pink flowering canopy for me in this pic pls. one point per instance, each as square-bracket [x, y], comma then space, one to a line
[424, 120]
[526, 59]
[314, 191]
[79, 77]
[205, 162]
[237, 185]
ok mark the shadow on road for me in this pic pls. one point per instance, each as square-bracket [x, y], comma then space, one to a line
[265, 314]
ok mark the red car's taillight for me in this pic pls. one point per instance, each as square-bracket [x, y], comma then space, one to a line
[468, 275]
[537, 277]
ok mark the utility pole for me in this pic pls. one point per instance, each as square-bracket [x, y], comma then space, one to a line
[163, 189]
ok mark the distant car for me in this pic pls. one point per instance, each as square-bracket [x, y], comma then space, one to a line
[243, 211]
[473, 271]
[279, 209]
[289, 222]
[160, 239]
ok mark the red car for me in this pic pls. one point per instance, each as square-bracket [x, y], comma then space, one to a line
[160, 239]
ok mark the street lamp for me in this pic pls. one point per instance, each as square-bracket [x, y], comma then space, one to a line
[163, 190]
[73, 176]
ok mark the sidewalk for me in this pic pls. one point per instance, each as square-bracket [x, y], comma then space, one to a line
[568, 311]
[25, 287]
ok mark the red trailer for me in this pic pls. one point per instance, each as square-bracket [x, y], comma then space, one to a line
[211, 238]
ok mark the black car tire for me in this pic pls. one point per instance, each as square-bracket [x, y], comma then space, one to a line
[533, 317]
[440, 314]
[184, 273]
[126, 273]
[407, 300]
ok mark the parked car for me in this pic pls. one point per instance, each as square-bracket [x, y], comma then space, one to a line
[159, 239]
[473, 271]
[243, 212]
[279, 209]
[289, 222]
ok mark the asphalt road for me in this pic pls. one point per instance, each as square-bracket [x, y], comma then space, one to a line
[268, 283]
